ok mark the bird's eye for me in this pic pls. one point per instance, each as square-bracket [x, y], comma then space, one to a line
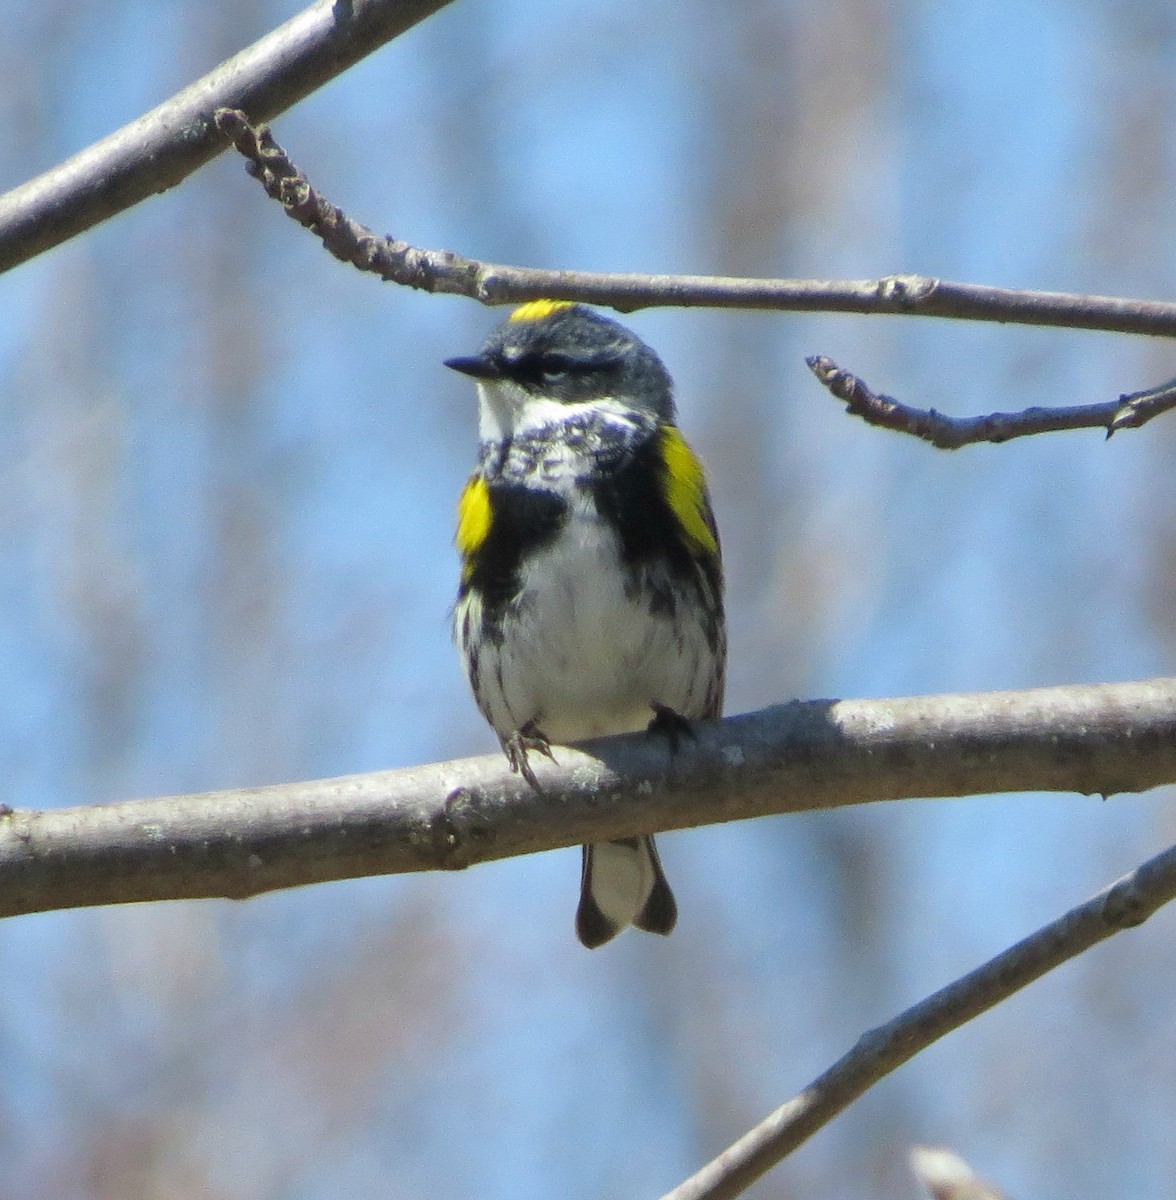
[553, 367]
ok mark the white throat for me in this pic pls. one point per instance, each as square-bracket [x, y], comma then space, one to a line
[506, 410]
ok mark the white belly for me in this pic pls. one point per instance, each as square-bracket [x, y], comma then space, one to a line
[583, 659]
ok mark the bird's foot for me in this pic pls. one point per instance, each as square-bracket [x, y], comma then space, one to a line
[671, 725]
[519, 744]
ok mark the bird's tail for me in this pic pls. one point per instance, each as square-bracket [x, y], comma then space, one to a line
[622, 884]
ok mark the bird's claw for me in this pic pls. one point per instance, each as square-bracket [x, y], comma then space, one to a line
[671, 725]
[519, 744]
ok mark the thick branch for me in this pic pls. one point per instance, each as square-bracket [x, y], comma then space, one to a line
[1123, 905]
[790, 758]
[493, 283]
[950, 433]
[155, 152]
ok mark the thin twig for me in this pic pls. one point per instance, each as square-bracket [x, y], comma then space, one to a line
[1129, 411]
[1123, 905]
[790, 758]
[162, 147]
[494, 283]
[346, 239]
[946, 1176]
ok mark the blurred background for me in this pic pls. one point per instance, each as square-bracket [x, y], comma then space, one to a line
[228, 469]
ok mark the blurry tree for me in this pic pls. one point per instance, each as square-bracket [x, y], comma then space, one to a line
[226, 489]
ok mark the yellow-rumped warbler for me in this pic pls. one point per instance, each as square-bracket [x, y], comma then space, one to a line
[591, 598]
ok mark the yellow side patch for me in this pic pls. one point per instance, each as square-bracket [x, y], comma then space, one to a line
[686, 490]
[536, 310]
[474, 517]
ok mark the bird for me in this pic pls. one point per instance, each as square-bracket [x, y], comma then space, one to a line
[590, 599]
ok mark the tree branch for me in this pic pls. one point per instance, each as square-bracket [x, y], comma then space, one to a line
[1123, 905]
[950, 433]
[159, 149]
[493, 283]
[946, 1176]
[789, 758]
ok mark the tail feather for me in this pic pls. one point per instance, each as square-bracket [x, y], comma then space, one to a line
[659, 914]
[622, 883]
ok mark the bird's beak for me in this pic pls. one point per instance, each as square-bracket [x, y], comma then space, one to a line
[476, 365]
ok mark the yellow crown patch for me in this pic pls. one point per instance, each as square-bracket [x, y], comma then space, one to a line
[536, 310]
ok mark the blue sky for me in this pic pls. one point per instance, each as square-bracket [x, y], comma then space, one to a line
[228, 467]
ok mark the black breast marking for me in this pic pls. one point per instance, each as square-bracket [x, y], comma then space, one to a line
[522, 520]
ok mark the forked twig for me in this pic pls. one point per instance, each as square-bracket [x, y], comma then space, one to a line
[495, 283]
[950, 433]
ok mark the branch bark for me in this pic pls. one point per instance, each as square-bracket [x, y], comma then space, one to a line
[494, 283]
[789, 758]
[1123, 905]
[167, 144]
[950, 433]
